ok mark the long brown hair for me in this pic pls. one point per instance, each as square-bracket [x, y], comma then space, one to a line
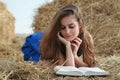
[51, 47]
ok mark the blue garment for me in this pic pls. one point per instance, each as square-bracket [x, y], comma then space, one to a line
[31, 48]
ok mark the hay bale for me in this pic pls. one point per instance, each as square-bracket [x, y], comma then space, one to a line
[102, 19]
[7, 32]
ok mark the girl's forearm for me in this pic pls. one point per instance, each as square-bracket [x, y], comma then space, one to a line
[69, 56]
[79, 62]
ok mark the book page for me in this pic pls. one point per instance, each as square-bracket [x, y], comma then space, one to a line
[65, 68]
[68, 70]
[93, 71]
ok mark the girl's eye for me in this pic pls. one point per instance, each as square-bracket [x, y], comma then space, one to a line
[62, 27]
[71, 26]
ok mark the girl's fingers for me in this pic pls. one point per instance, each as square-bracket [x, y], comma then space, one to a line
[77, 41]
[63, 40]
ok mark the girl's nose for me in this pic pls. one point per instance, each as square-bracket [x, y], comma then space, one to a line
[67, 30]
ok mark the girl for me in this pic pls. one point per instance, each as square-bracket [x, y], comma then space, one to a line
[66, 40]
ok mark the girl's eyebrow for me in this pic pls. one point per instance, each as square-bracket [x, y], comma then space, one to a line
[71, 24]
[68, 24]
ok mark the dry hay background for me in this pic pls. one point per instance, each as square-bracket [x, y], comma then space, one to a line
[7, 32]
[102, 19]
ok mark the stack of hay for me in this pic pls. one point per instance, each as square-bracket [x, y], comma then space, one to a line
[7, 32]
[9, 44]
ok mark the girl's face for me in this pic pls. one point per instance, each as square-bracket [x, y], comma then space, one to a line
[69, 27]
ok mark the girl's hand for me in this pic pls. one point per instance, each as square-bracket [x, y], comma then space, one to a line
[63, 40]
[75, 44]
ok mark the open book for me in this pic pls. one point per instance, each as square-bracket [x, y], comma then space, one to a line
[81, 71]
